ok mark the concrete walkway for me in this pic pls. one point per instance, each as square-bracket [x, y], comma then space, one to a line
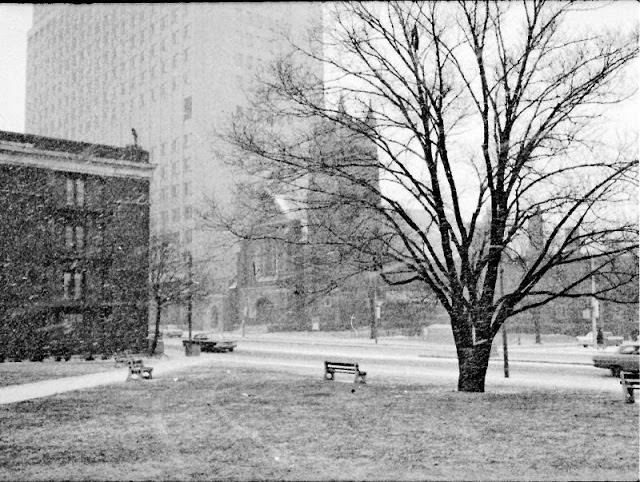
[175, 360]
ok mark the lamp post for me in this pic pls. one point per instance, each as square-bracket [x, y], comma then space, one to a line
[189, 289]
[594, 306]
[505, 353]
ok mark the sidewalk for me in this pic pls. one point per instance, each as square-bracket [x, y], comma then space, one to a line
[175, 360]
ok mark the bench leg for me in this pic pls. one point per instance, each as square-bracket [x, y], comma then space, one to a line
[362, 378]
[628, 394]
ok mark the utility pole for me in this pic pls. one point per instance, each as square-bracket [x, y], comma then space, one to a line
[505, 352]
[189, 289]
[594, 306]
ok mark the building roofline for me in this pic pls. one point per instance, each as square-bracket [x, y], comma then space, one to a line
[71, 156]
[129, 153]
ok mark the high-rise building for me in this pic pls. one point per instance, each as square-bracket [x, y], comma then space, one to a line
[165, 77]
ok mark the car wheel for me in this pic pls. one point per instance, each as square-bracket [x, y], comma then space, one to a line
[615, 371]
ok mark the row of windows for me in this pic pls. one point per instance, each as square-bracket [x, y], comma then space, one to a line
[174, 190]
[103, 25]
[175, 215]
[163, 171]
[71, 125]
[174, 237]
[73, 279]
[175, 145]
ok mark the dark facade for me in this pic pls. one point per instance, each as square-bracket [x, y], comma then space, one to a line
[292, 277]
[74, 237]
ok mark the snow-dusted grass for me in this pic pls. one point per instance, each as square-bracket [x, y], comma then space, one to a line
[216, 423]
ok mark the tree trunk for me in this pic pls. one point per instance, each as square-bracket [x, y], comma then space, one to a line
[156, 333]
[536, 325]
[472, 365]
[373, 331]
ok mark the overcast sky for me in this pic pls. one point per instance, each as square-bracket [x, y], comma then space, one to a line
[15, 21]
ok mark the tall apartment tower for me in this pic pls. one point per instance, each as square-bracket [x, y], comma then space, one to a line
[165, 77]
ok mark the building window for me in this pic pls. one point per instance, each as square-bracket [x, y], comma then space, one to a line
[174, 191]
[266, 262]
[187, 108]
[74, 237]
[186, 165]
[175, 215]
[78, 282]
[188, 236]
[79, 237]
[68, 237]
[68, 278]
[188, 212]
[79, 192]
[187, 188]
[70, 192]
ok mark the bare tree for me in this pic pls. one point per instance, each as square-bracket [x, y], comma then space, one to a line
[482, 115]
[171, 280]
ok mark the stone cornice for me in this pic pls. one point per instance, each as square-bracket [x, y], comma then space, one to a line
[21, 155]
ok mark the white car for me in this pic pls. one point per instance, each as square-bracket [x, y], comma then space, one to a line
[172, 331]
[608, 339]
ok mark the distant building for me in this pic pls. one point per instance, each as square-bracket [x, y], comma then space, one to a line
[292, 276]
[175, 72]
[74, 235]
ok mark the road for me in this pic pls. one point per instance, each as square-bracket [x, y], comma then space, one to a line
[550, 368]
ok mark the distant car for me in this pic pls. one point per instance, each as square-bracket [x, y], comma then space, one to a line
[210, 344]
[608, 338]
[172, 331]
[625, 357]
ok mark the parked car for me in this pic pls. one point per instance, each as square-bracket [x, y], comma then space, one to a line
[209, 344]
[624, 357]
[608, 338]
[172, 331]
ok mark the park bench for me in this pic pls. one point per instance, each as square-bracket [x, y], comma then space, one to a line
[331, 368]
[136, 367]
[630, 381]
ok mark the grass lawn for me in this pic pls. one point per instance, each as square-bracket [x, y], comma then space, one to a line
[215, 423]
[12, 373]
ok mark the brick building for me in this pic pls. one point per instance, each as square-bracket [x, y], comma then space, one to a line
[73, 246]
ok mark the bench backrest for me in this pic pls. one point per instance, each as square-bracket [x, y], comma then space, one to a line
[342, 365]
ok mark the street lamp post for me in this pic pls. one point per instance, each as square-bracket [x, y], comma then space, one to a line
[594, 306]
[189, 295]
[505, 352]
